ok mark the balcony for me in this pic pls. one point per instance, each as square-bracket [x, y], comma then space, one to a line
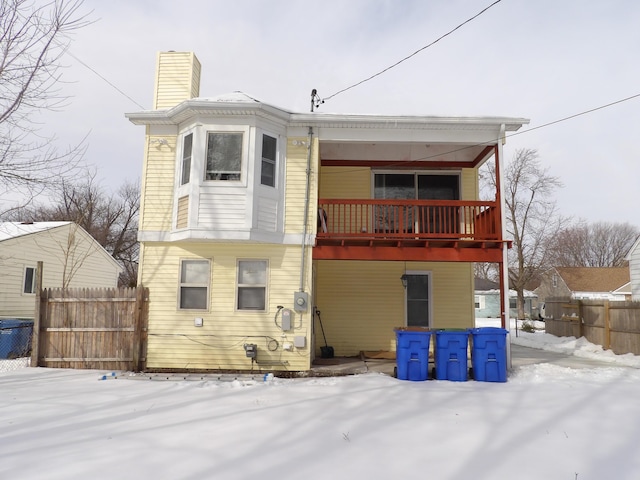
[416, 230]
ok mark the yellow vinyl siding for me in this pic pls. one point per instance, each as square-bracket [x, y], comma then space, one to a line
[296, 184]
[345, 182]
[183, 212]
[469, 184]
[174, 341]
[158, 184]
[361, 302]
[177, 79]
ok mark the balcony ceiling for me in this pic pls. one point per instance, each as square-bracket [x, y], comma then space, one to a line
[413, 154]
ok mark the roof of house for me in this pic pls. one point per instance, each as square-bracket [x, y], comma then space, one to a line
[9, 230]
[18, 229]
[484, 284]
[594, 279]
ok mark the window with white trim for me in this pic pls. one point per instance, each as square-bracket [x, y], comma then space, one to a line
[187, 147]
[479, 301]
[224, 156]
[194, 284]
[29, 284]
[268, 167]
[252, 285]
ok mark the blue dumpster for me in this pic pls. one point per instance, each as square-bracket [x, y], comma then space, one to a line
[489, 354]
[15, 338]
[412, 353]
[451, 355]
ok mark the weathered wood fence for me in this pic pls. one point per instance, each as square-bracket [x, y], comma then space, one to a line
[102, 328]
[614, 325]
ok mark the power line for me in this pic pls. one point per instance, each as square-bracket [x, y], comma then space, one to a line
[104, 79]
[412, 55]
[585, 112]
[466, 147]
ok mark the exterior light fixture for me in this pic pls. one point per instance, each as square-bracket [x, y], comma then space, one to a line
[404, 279]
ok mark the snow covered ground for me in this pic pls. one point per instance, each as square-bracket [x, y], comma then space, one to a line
[546, 422]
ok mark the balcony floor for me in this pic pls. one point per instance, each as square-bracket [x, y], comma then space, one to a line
[408, 249]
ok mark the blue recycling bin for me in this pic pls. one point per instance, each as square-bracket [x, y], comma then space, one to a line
[412, 353]
[451, 355]
[489, 354]
[15, 338]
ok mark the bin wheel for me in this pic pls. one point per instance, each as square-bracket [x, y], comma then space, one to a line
[471, 373]
[395, 372]
[433, 373]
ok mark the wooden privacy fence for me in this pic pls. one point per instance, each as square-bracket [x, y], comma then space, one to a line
[102, 328]
[614, 325]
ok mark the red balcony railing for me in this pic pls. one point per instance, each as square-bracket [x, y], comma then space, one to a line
[408, 219]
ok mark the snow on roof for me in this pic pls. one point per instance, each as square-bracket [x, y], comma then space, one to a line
[18, 229]
[237, 96]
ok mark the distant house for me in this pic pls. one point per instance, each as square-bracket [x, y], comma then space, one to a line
[70, 256]
[487, 300]
[633, 257]
[584, 283]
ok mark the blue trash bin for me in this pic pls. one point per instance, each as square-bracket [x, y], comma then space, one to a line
[15, 338]
[451, 355]
[412, 353]
[489, 354]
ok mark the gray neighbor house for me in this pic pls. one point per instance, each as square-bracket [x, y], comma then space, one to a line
[487, 300]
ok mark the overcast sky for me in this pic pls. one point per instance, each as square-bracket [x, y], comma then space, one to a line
[539, 59]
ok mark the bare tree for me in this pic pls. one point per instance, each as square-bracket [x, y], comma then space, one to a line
[33, 38]
[600, 244]
[531, 215]
[112, 219]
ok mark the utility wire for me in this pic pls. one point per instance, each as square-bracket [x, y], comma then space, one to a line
[104, 79]
[413, 54]
[585, 112]
[466, 147]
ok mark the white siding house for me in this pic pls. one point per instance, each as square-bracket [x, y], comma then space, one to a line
[70, 256]
[634, 270]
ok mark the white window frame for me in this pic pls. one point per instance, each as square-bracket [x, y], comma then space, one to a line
[479, 299]
[183, 158]
[243, 154]
[33, 281]
[240, 286]
[271, 161]
[206, 285]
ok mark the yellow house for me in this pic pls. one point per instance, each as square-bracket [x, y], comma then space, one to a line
[253, 217]
[71, 258]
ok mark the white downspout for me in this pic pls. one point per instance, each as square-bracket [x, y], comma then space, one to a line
[306, 210]
[505, 249]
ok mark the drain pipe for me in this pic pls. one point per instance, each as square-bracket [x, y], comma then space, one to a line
[306, 210]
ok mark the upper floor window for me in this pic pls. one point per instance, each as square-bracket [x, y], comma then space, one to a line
[29, 280]
[224, 156]
[194, 284]
[268, 168]
[187, 147]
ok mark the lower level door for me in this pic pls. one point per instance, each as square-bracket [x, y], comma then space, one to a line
[418, 306]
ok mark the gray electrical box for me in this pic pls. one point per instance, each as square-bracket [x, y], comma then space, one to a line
[251, 350]
[286, 319]
[300, 301]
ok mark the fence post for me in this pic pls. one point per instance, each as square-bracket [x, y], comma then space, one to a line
[140, 323]
[607, 326]
[35, 336]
